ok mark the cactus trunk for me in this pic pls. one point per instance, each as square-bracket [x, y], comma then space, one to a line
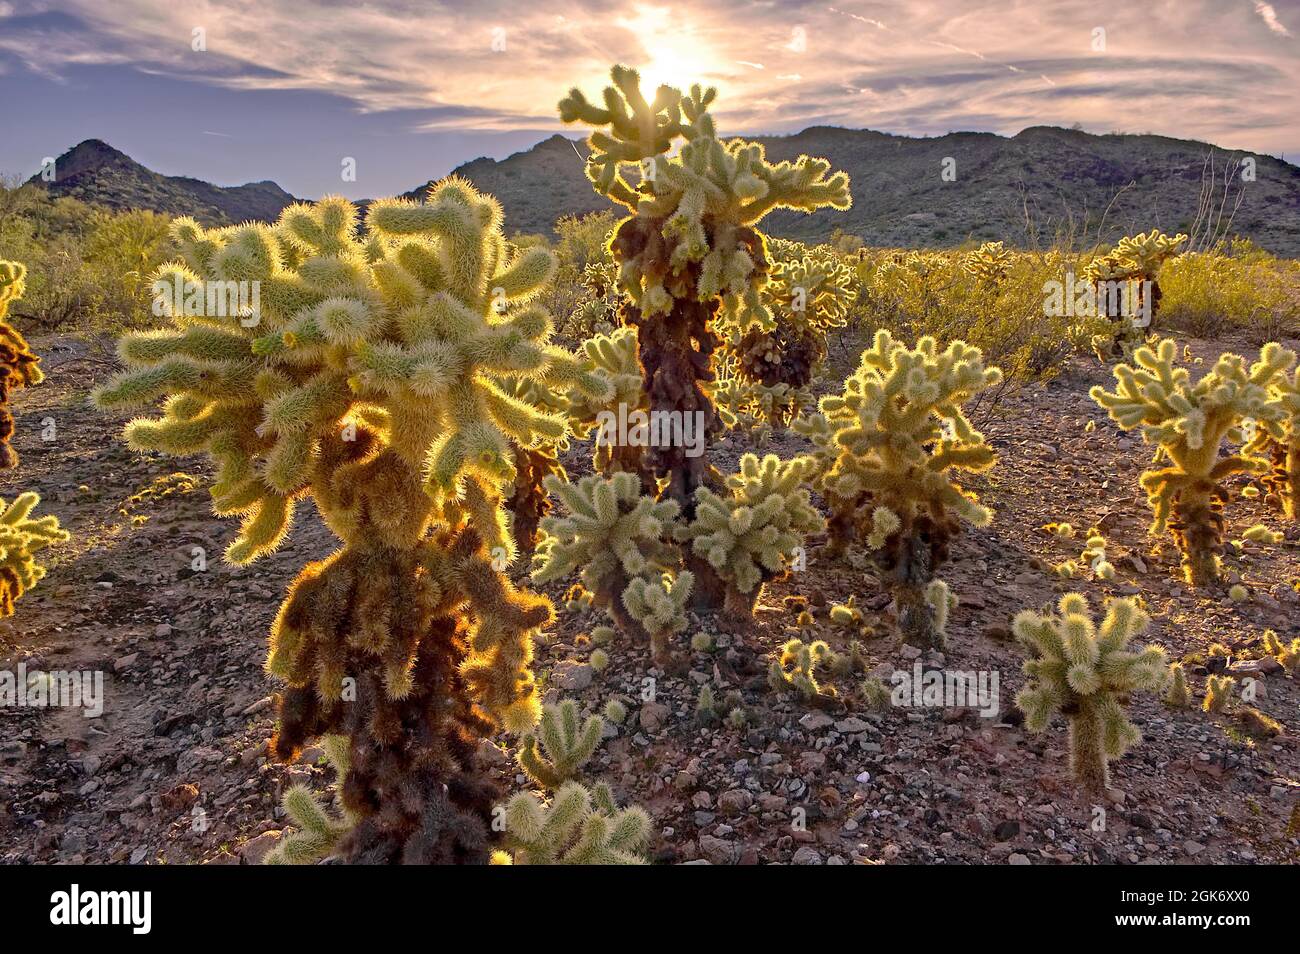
[912, 574]
[1291, 488]
[1197, 524]
[1087, 751]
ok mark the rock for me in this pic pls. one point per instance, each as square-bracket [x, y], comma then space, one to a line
[909, 652]
[851, 726]
[1193, 848]
[1016, 858]
[718, 851]
[1006, 830]
[735, 802]
[162, 630]
[258, 706]
[815, 721]
[570, 676]
[807, 855]
[125, 662]
[653, 715]
[255, 849]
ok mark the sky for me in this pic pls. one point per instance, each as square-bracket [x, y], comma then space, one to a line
[289, 90]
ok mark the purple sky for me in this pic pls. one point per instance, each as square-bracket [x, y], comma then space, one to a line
[287, 89]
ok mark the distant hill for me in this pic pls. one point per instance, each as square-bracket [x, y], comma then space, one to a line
[1021, 189]
[94, 171]
[900, 199]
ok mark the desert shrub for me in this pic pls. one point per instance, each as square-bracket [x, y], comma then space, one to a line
[1236, 287]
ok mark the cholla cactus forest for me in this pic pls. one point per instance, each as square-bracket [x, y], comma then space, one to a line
[631, 500]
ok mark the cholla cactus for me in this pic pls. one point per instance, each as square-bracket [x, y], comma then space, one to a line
[578, 827]
[1126, 278]
[1187, 423]
[1279, 441]
[21, 538]
[566, 746]
[989, 262]
[371, 380]
[809, 295]
[19, 367]
[1288, 654]
[1177, 695]
[750, 537]
[611, 534]
[612, 359]
[1085, 674]
[1218, 693]
[659, 608]
[888, 448]
[796, 668]
[320, 829]
[689, 248]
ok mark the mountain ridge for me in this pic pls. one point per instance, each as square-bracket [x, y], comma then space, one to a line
[1025, 189]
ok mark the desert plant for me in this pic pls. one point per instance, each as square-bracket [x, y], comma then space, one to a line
[989, 262]
[21, 538]
[320, 828]
[888, 449]
[1277, 439]
[369, 381]
[1086, 673]
[750, 536]
[797, 665]
[1288, 654]
[1177, 695]
[579, 826]
[688, 253]
[19, 367]
[1188, 422]
[565, 745]
[1218, 693]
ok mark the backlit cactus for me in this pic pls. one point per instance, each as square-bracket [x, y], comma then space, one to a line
[989, 262]
[565, 745]
[808, 295]
[1127, 287]
[1086, 674]
[1278, 440]
[889, 448]
[579, 826]
[19, 367]
[689, 252]
[610, 534]
[320, 828]
[21, 539]
[1187, 423]
[797, 665]
[373, 379]
[750, 536]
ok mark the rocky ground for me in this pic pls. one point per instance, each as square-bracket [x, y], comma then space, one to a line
[175, 770]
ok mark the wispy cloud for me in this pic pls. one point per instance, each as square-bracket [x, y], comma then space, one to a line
[1269, 16]
[1192, 68]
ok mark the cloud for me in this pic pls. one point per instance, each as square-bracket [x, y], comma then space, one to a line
[1269, 16]
[913, 66]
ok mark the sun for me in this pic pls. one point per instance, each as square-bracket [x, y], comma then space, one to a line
[675, 54]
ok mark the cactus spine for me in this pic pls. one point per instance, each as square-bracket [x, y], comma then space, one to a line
[565, 746]
[1187, 423]
[373, 380]
[1085, 673]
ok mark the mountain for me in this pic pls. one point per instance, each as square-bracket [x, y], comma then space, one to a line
[1030, 187]
[1051, 178]
[94, 171]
